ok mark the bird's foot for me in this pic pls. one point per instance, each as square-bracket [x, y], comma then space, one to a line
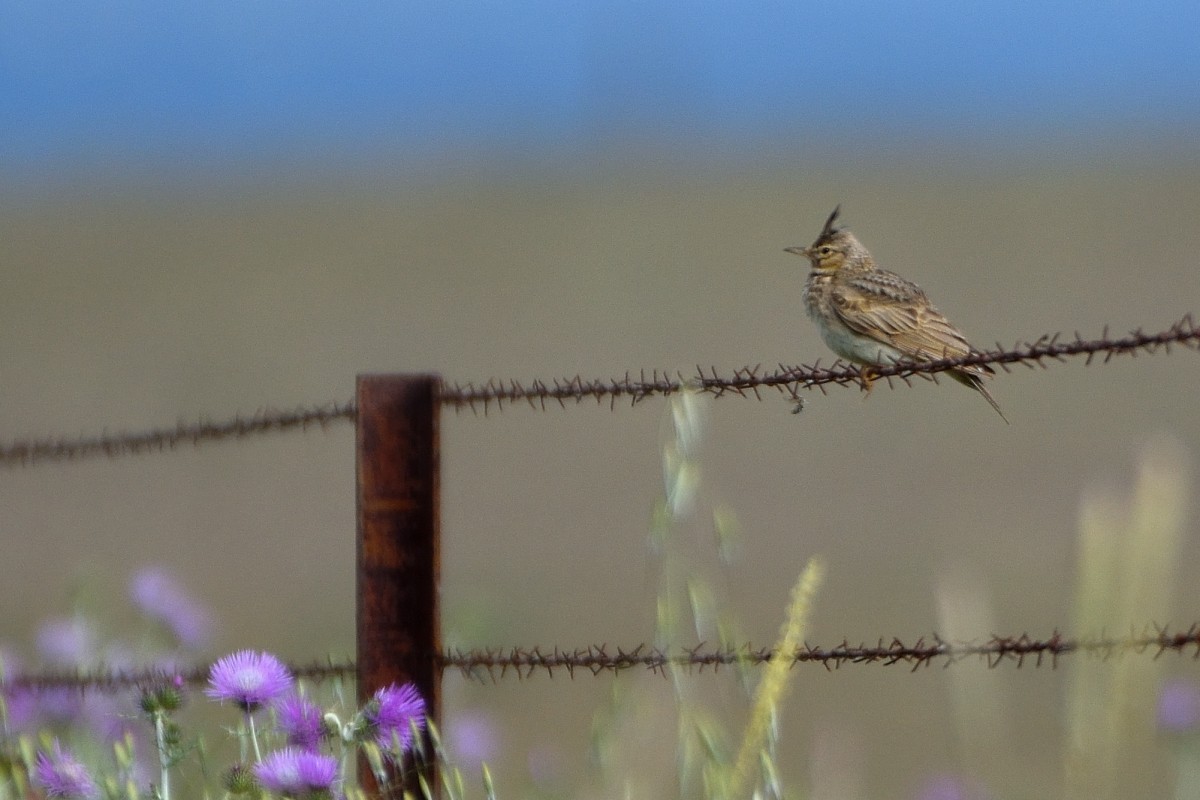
[867, 377]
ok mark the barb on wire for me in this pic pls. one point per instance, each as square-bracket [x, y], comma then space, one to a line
[497, 663]
[538, 394]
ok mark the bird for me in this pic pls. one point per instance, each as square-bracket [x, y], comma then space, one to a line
[874, 317]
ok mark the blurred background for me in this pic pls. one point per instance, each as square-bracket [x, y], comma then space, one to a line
[217, 208]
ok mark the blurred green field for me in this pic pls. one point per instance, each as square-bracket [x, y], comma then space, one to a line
[127, 306]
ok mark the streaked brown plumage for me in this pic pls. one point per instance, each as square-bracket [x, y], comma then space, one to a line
[874, 317]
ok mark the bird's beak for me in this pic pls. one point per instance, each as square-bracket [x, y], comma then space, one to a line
[800, 251]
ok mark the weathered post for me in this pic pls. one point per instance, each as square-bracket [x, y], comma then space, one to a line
[398, 545]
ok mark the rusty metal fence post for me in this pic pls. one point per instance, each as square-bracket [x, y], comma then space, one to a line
[399, 557]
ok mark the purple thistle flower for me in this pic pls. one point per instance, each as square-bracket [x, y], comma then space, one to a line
[472, 737]
[301, 721]
[62, 775]
[951, 787]
[58, 705]
[158, 595]
[67, 642]
[391, 714]
[297, 773]
[20, 705]
[106, 717]
[1179, 706]
[248, 679]
[31, 708]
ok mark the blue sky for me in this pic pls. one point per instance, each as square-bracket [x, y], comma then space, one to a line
[176, 81]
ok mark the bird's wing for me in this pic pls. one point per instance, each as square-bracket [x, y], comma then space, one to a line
[894, 311]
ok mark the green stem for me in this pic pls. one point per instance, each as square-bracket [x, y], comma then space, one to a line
[164, 761]
[253, 736]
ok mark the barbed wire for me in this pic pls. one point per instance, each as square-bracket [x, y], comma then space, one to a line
[790, 380]
[112, 681]
[995, 650]
[62, 448]
[538, 394]
[497, 663]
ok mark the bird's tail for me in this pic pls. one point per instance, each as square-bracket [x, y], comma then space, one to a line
[976, 383]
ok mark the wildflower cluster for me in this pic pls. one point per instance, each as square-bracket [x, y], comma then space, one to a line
[315, 746]
[312, 763]
[291, 744]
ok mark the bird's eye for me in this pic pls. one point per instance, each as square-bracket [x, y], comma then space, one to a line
[826, 250]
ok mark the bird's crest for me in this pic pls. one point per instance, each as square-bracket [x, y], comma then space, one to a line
[830, 230]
